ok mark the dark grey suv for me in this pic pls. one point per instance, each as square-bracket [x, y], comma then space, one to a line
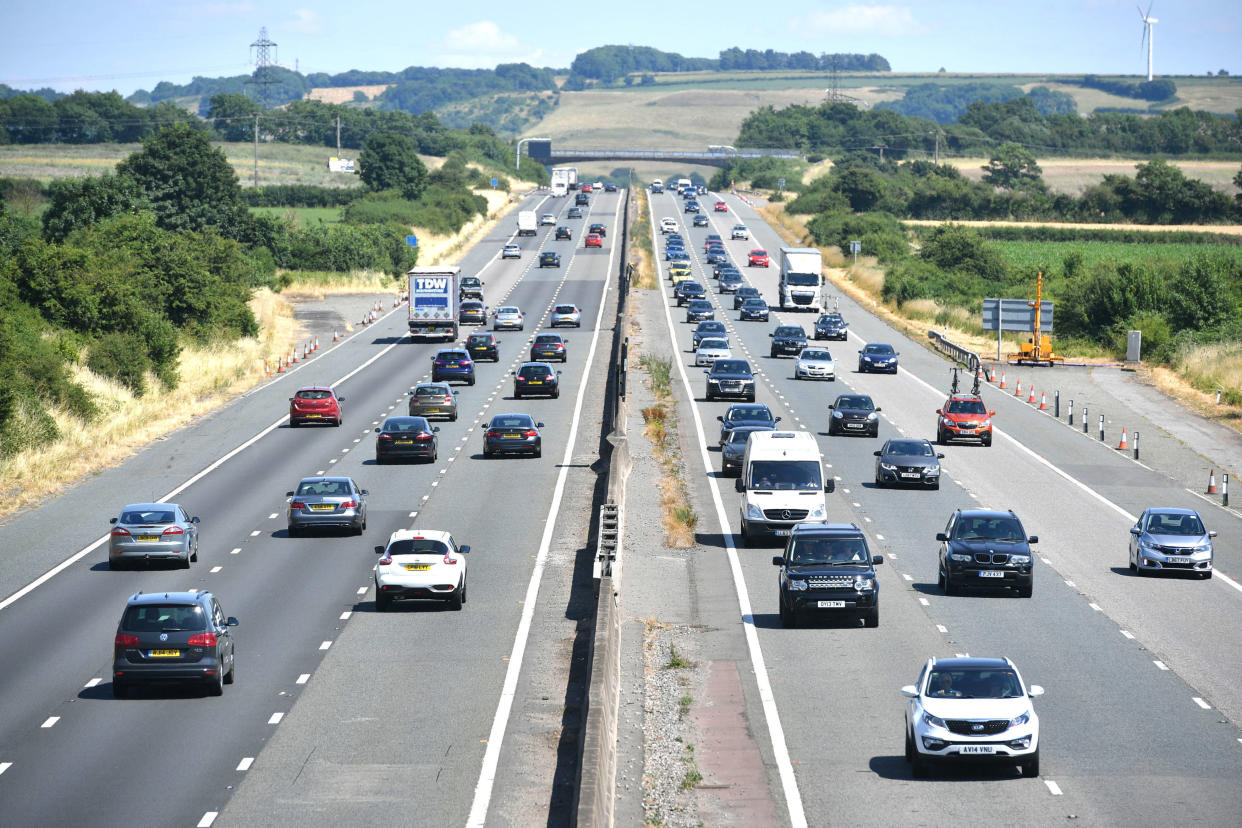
[828, 568]
[173, 637]
[981, 548]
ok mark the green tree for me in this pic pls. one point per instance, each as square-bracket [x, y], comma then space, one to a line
[189, 183]
[80, 202]
[1012, 167]
[957, 249]
[233, 116]
[390, 162]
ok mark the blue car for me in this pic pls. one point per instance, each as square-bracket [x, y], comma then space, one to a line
[877, 356]
[452, 364]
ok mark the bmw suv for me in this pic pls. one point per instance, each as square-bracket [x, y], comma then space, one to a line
[980, 548]
[173, 637]
[827, 568]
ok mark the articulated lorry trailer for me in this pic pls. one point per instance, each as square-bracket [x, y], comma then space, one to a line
[801, 285]
[564, 180]
[433, 302]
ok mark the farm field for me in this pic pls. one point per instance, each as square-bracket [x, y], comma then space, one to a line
[1048, 256]
[302, 216]
[1073, 175]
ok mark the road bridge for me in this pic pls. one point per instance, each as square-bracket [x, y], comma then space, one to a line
[542, 151]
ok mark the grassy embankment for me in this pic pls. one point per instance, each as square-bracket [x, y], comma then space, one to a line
[211, 376]
[1193, 379]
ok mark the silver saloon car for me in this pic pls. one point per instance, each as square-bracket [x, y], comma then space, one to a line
[815, 363]
[508, 318]
[327, 502]
[146, 532]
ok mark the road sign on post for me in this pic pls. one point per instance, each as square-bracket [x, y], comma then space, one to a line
[1014, 315]
[412, 241]
[495, 183]
[855, 248]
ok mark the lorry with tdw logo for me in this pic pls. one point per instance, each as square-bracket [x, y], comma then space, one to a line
[433, 302]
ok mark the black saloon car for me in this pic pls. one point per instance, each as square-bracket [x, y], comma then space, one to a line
[512, 434]
[536, 379]
[548, 347]
[787, 340]
[549, 258]
[853, 414]
[399, 438]
[730, 378]
[483, 346]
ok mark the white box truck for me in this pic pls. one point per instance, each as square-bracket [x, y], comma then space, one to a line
[564, 179]
[433, 302]
[527, 223]
[782, 484]
[801, 284]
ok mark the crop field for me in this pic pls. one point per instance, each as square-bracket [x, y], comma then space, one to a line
[1032, 256]
[302, 216]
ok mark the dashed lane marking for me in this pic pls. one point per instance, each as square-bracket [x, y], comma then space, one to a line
[244, 764]
[275, 718]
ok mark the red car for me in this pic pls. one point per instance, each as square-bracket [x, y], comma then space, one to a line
[964, 417]
[721, 207]
[757, 258]
[593, 240]
[315, 404]
[586, 188]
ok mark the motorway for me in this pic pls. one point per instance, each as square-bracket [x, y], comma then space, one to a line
[1140, 719]
[409, 706]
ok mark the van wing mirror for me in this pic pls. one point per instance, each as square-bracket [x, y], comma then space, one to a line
[830, 485]
[739, 484]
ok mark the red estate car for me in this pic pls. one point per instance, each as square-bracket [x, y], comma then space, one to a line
[757, 258]
[315, 404]
[593, 240]
[721, 207]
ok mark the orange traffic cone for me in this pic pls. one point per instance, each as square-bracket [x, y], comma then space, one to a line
[293, 357]
[1018, 391]
[1122, 446]
[336, 337]
[280, 365]
[1002, 382]
[1031, 399]
[316, 347]
[1212, 482]
[1043, 404]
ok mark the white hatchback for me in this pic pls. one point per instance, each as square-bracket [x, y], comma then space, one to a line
[668, 225]
[739, 232]
[421, 563]
[815, 363]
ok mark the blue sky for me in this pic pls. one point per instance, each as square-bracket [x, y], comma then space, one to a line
[131, 44]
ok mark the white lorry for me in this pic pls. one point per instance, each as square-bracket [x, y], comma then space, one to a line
[527, 223]
[657, 186]
[564, 180]
[782, 484]
[801, 284]
[433, 302]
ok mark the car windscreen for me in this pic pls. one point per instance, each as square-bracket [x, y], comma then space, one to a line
[756, 414]
[910, 448]
[756, 303]
[507, 310]
[805, 551]
[164, 618]
[790, 332]
[313, 395]
[479, 339]
[150, 516]
[452, 355]
[855, 403]
[1165, 524]
[323, 487]
[704, 327]
[815, 355]
[566, 309]
[731, 366]
[987, 528]
[802, 279]
[408, 424]
[431, 390]
[713, 344]
[785, 474]
[967, 407]
[974, 683]
[543, 339]
[512, 421]
[878, 349]
[417, 546]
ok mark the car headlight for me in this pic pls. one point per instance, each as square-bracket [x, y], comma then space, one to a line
[933, 721]
[753, 511]
[713, 381]
[1022, 719]
[1146, 543]
[946, 421]
[1206, 546]
[932, 471]
[873, 416]
[796, 584]
[985, 424]
[864, 584]
[1020, 559]
[887, 466]
[837, 414]
[959, 557]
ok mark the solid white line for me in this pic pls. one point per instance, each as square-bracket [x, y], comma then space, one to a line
[207, 819]
[784, 765]
[1095, 607]
[244, 764]
[51, 721]
[1161, 665]
[220, 461]
[275, 718]
[302, 679]
[1202, 703]
[1053, 787]
[491, 755]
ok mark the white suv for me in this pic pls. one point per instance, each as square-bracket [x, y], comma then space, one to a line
[421, 563]
[740, 232]
[971, 709]
[668, 225]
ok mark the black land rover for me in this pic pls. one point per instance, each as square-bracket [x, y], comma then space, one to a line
[787, 339]
[828, 568]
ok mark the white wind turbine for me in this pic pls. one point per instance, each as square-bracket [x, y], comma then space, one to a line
[1148, 33]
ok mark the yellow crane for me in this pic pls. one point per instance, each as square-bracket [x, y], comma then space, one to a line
[1037, 350]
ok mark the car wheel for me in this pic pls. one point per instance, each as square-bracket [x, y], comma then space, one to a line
[1207, 575]
[379, 459]
[194, 556]
[116, 565]
[231, 675]
[455, 599]
[453, 417]
[936, 486]
[215, 686]
[872, 619]
[293, 531]
[875, 432]
[772, 354]
[750, 398]
[710, 396]
[1031, 766]
[383, 601]
[435, 455]
[788, 618]
[337, 422]
[949, 588]
[464, 583]
[879, 484]
[185, 564]
[987, 441]
[539, 451]
[831, 429]
[470, 381]
[120, 690]
[487, 452]
[918, 767]
[556, 394]
[294, 424]
[745, 535]
[940, 438]
[1025, 592]
[909, 747]
[1133, 565]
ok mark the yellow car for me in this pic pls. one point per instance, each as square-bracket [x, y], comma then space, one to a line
[678, 272]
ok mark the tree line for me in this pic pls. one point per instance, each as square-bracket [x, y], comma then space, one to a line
[946, 103]
[607, 64]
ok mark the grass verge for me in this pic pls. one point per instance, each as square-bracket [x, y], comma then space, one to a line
[642, 253]
[678, 516]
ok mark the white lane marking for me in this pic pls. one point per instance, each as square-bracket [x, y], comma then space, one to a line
[942, 628]
[345, 615]
[275, 718]
[207, 819]
[1053, 787]
[1202, 703]
[858, 505]
[332, 461]
[1128, 634]
[906, 576]
[216, 569]
[1045, 560]
[1069, 584]
[1161, 665]
[273, 515]
[93, 683]
[217, 463]
[881, 537]
[302, 679]
[320, 472]
[413, 514]
[51, 722]
[491, 755]
[254, 533]
[234, 551]
[6, 765]
[244, 764]
[924, 602]
[776, 732]
[362, 590]
[1095, 607]
[325, 645]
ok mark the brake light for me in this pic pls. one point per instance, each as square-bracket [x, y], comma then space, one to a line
[386, 560]
[174, 530]
[530, 433]
[350, 504]
[202, 640]
[385, 438]
[449, 559]
[118, 532]
[440, 363]
[521, 378]
[448, 398]
[491, 432]
[126, 640]
[297, 504]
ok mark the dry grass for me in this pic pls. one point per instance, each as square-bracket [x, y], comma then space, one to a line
[319, 285]
[641, 253]
[678, 519]
[1073, 175]
[442, 249]
[344, 94]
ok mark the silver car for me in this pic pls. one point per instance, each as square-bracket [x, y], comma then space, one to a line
[566, 315]
[1171, 540]
[511, 251]
[508, 317]
[547, 218]
[710, 350]
[327, 501]
[739, 232]
[433, 399]
[153, 532]
[815, 363]
[903, 461]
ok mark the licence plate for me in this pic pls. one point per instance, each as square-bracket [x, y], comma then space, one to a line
[511, 436]
[978, 749]
[322, 507]
[432, 410]
[147, 538]
[991, 573]
[853, 425]
[535, 382]
[314, 415]
[404, 442]
[1179, 560]
[164, 654]
[781, 533]
[831, 604]
[909, 474]
[417, 567]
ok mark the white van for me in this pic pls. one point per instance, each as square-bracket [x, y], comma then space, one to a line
[782, 484]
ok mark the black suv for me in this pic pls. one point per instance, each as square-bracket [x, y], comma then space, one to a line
[828, 568]
[687, 290]
[730, 378]
[173, 637]
[563, 233]
[471, 287]
[581, 198]
[787, 339]
[983, 548]
[483, 346]
[549, 258]
[854, 414]
[831, 326]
